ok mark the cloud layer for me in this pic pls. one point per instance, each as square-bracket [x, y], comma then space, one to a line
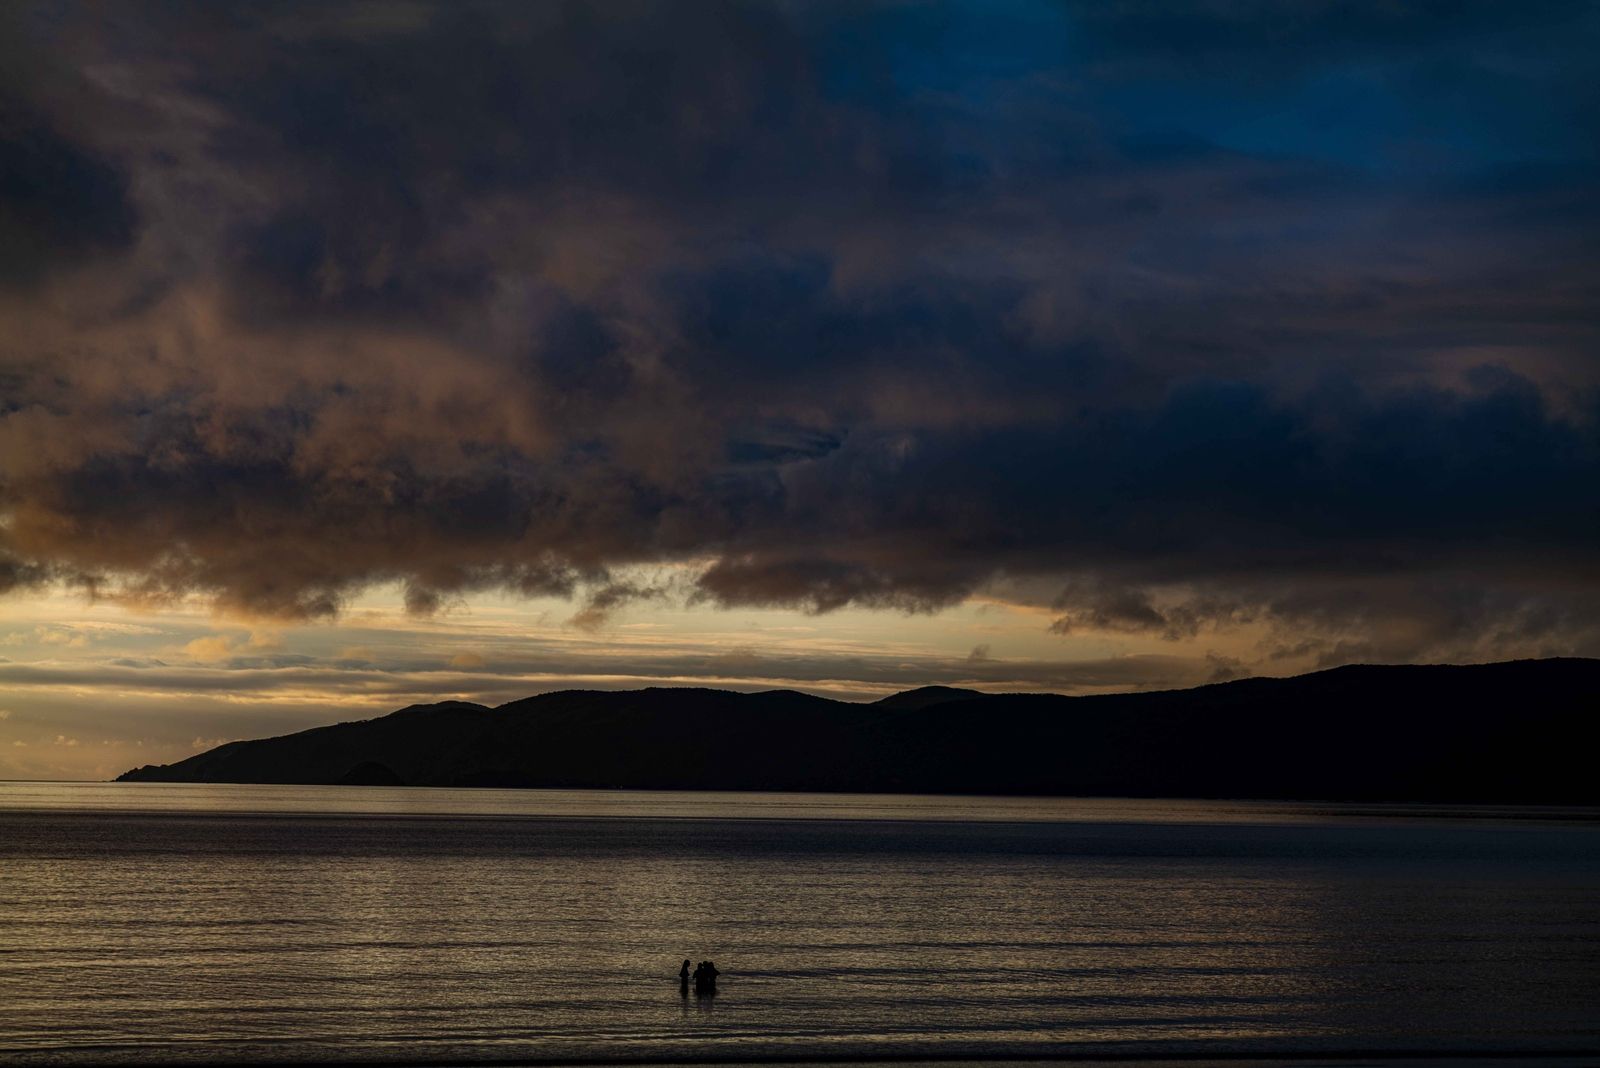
[1171, 317]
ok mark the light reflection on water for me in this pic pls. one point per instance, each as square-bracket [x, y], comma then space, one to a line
[143, 921]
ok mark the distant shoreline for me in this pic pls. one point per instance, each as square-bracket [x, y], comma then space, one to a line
[315, 802]
[1488, 734]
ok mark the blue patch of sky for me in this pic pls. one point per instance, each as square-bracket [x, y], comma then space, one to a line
[963, 51]
[1446, 101]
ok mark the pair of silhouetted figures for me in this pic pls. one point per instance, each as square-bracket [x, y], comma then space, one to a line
[704, 975]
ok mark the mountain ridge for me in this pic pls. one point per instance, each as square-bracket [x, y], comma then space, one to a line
[1488, 732]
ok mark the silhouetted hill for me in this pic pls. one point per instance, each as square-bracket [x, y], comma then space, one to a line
[927, 696]
[370, 773]
[1497, 732]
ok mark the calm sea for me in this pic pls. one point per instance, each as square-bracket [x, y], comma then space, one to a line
[154, 923]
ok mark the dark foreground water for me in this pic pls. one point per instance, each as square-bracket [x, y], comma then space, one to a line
[149, 923]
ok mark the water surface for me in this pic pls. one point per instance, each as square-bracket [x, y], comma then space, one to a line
[188, 923]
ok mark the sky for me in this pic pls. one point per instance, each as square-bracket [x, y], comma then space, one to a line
[358, 354]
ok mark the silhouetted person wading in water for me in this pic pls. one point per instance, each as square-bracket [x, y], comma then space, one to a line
[705, 978]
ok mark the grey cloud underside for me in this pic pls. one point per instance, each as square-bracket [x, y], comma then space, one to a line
[844, 305]
[518, 675]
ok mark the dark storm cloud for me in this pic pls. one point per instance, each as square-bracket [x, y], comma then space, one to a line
[59, 203]
[1167, 317]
